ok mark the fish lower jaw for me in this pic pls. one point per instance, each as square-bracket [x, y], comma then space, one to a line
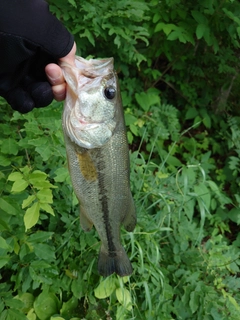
[87, 125]
[83, 121]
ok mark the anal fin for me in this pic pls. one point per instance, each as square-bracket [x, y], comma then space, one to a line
[130, 219]
[85, 222]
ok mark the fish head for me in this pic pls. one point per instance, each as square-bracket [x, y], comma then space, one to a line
[90, 110]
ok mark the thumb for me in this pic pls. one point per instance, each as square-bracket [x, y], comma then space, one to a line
[70, 58]
[55, 75]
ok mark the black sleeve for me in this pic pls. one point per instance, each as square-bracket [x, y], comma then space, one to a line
[31, 20]
[30, 38]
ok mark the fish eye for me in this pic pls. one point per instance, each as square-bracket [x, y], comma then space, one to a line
[110, 92]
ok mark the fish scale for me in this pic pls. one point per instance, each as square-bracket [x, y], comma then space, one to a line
[98, 158]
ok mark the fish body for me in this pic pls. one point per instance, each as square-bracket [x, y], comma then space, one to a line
[98, 157]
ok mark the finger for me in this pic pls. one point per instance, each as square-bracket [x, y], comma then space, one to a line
[54, 74]
[59, 92]
[20, 100]
[42, 93]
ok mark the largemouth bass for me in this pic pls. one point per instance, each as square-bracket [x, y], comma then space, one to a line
[98, 157]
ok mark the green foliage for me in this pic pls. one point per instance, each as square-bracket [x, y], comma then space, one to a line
[119, 22]
[178, 65]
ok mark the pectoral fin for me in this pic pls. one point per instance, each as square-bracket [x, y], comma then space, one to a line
[130, 218]
[87, 166]
[86, 224]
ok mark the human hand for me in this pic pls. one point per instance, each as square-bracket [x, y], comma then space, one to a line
[55, 75]
[31, 38]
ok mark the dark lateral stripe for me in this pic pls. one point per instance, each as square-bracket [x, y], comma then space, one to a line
[101, 167]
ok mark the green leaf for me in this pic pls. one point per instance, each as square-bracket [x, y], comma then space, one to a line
[4, 260]
[199, 17]
[44, 251]
[27, 299]
[173, 161]
[129, 119]
[3, 244]
[14, 314]
[124, 297]
[14, 303]
[31, 216]
[3, 224]
[46, 207]
[181, 34]
[203, 194]
[78, 287]
[134, 129]
[208, 37]
[176, 35]
[6, 206]
[61, 174]
[46, 305]
[200, 31]
[4, 161]
[156, 17]
[69, 306]
[3, 315]
[207, 121]
[9, 146]
[28, 201]
[37, 175]
[234, 215]
[105, 288]
[73, 3]
[194, 301]
[42, 147]
[129, 137]
[38, 180]
[41, 264]
[233, 302]
[31, 315]
[45, 196]
[238, 31]
[14, 176]
[88, 34]
[40, 236]
[232, 16]
[147, 99]
[19, 185]
[191, 113]
[166, 27]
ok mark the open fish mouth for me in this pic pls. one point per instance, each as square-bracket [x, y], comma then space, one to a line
[94, 67]
[89, 116]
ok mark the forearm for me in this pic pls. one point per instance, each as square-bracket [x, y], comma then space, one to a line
[31, 20]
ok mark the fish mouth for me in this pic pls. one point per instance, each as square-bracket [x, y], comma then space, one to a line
[81, 122]
[87, 134]
[86, 120]
[94, 67]
[85, 124]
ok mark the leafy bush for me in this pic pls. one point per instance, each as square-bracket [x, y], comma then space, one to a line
[178, 67]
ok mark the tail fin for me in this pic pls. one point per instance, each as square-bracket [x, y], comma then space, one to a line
[110, 262]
